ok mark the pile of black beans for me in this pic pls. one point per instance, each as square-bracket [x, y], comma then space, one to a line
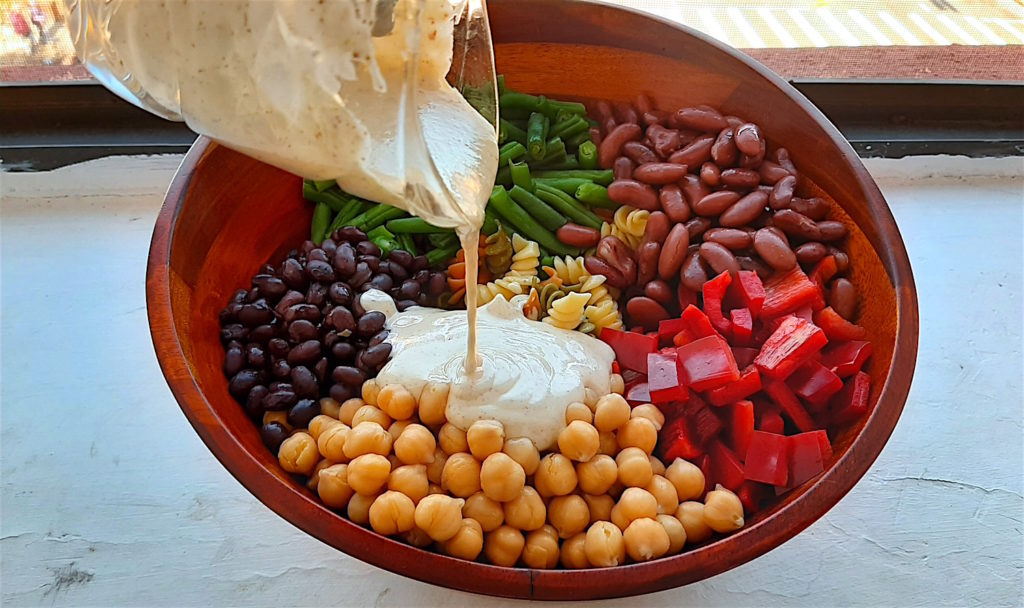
[299, 333]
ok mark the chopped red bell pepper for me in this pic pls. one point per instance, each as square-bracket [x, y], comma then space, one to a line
[695, 325]
[748, 384]
[767, 459]
[631, 349]
[845, 358]
[714, 294]
[744, 356]
[704, 463]
[707, 363]
[740, 427]
[726, 468]
[825, 445]
[769, 418]
[742, 326]
[836, 327]
[851, 403]
[615, 367]
[631, 376]
[806, 458]
[706, 425]
[806, 313]
[794, 342]
[815, 383]
[749, 291]
[638, 393]
[787, 292]
[790, 404]
[824, 270]
[676, 440]
[750, 494]
[663, 378]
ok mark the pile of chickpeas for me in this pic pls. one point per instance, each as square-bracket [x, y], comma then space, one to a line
[390, 460]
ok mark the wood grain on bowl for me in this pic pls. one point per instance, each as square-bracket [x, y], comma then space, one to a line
[226, 214]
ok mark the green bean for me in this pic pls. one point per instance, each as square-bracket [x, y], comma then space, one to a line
[573, 126]
[588, 155]
[491, 224]
[567, 205]
[443, 240]
[537, 135]
[566, 164]
[555, 155]
[565, 184]
[541, 211]
[442, 254]
[324, 184]
[406, 242]
[352, 208]
[504, 176]
[524, 224]
[579, 139]
[515, 114]
[513, 150]
[507, 131]
[570, 107]
[378, 232]
[414, 225]
[521, 175]
[547, 261]
[384, 215]
[335, 200]
[381, 237]
[602, 176]
[321, 220]
[361, 217]
[511, 100]
[595, 196]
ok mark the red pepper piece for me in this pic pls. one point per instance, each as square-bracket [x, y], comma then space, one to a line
[767, 459]
[714, 294]
[704, 463]
[631, 349]
[787, 292]
[793, 343]
[824, 270]
[740, 427]
[744, 356]
[750, 494]
[815, 383]
[806, 459]
[851, 403]
[770, 421]
[669, 328]
[695, 325]
[790, 404]
[748, 384]
[676, 440]
[615, 367]
[726, 468]
[663, 378]
[845, 358]
[742, 326]
[638, 393]
[836, 327]
[707, 363]
[825, 445]
[806, 313]
[749, 291]
[706, 425]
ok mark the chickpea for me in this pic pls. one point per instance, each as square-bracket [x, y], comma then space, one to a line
[485, 437]
[579, 441]
[368, 473]
[612, 412]
[687, 478]
[439, 516]
[501, 478]
[319, 424]
[616, 490]
[646, 539]
[590, 398]
[396, 401]
[604, 545]
[650, 412]
[359, 508]
[638, 433]
[573, 554]
[578, 411]
[417, 538]
[348, 409]
[371, 413]
[597, 474]
[367, 438]
[396, 428]
[370, 390]
[395, 462]
[541, 548]
[467, 542]
[522, 450]
[634, 467]
[526, 511]
[504, 546]
[618, 385]
[461, 475]
[391, 513]
[723, 511]
[416, 445]
[665, 493]
[435, 488]
[675, 530]
[600, 507]
[452, 439]
[433, 402]
[435, 468]
[569, 515]
[333, 486]
[314, 478]
[609, 444]
[488, 513]
[555, 476]
[298, 454]
[634, 504]
[657, 466]
[280, 417]
[691, 515]
[330, 407]
[331, 442]
[411, 480]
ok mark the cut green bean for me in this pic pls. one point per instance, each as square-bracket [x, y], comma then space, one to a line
[441, 254]
[565, 164]
[570, 107]
[567, 205]
[554, 155]
[362, 215]
[524, 224]
[521, 175]
[601, 176]
[414, 225]
[490, 225]
[512, 101]
[513, 150]
[380, 218]
[352, 208]
[443, 240]
[548, 261]
[595, 196]
[588, 155]
[324, 184]
[321, 220]
[569, 128]
[579, 139]
[382, 237]
[507, 131]
[537, 135]
[334, 199]
[541, 211]
[565, 184]
[406, 242]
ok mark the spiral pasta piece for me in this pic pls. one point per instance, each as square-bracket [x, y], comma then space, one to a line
[628, 224]
[526, 258]
[497, 253]
[603, 315]
[507, 286]
[570, 270]
[567, 311]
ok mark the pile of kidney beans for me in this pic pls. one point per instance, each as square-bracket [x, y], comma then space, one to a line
[718, 201]
[300, 334]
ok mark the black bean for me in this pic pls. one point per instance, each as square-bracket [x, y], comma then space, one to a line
[305, 352]
[422, 300]
[278, 347]
[242, 382]
[254, 401]
[255, 356]
[397, 272]
[368, 248]
[234, 344]
[234, 361]
[370, 323]
[304, 382]
[229, 314]
[279, 399]
[329, 247]
[361, 275]
[320, 271]
[437, 284]
[422, 277]
[301, 330]
[341, 393]
[340, 293]
[280, 369]
[269, 285]
[419, 263]
[372, 262]
[320, 370]
[382, 282]
[378, 337]
[344, 260]
[317, 254]
[288, 300]
[375, 356]
[343, 351]
[348, 375]
[403, 305]
[306, 312]
[317, 294]
[256, 313]
[254, 294]
[307, 246]
[277, 385]
[235, 331]
[330, 336]
[302, 412]
[357, 307]
[240, 297]
[409, 290]
[273, 435]
[350, 234]
[342, 320]
[291, 272]
[401, 257]
[262, 333]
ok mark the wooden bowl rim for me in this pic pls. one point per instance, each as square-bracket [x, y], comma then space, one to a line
[728, 552]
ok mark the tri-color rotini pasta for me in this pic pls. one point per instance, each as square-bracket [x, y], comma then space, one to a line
[628, 224]
[567, 311]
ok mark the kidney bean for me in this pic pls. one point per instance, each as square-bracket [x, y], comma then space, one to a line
[771, 173]
[343, 351]
[344, 260]
[842, 260]
[658, 225]
[796, 225]
[716, 202]
[755, 265]
[256, 313]
[673, 252]
[719, 258]
[774, 249]
[623, 168]
[582, 237]
[732, 238]
[710, 174]
[673, 204]
[643, 103]
[694, 153]
[810, 253]
[745, 210]
[639, 153]
[655, 117]
[361, 275]
[701, 118]
[661, 292]
[647, 260]
[619, 256]
[254, 402]
[733, 121]
[724, 151]
[596, 265]
[665, 141]
[782, 193]
[814, 207]
[748, 138]
[692, 275]
[604, 111]
[782, 157]
[304, 352]
[842, 297]
[370, 323]
[645, 311]
[346, 374]
[280, 369]
[696, 227]
[234, 361]
[304, 382]
[748, 161]
[633, 193]
[831, 230]
[626, 113]
[269, 286]
[741, 178]
[613, 142]
[242, 382]
[375, 356]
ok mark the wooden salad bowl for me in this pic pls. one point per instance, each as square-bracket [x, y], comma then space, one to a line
[226, 214]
